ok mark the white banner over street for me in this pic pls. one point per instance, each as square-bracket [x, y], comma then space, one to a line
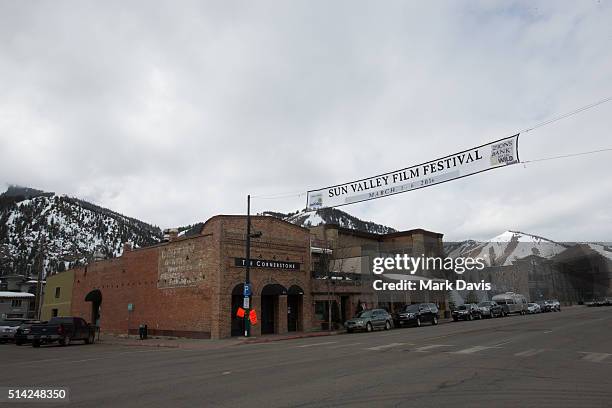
[492, 155]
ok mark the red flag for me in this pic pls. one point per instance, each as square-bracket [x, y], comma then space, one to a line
[253, 317]
[240, 312]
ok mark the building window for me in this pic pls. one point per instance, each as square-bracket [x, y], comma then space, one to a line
[57, 292]
[53, 312]
[16, 303]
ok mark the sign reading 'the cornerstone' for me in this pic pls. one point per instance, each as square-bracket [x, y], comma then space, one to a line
[499, 153]
[266, 263]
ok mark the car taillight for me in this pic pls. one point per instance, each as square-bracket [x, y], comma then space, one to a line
[60, 330]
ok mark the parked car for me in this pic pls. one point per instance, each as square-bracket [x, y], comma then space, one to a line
[544, 306]
[8, 328]
[468, 311]
[417, 314]
[489, 308]
[512, 302]
[21, 335]
[555, 305]
[370, 320]
[533, 308]
[64, 330]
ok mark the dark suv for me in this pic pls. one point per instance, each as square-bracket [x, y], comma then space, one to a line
[417, 314]
[468, 311]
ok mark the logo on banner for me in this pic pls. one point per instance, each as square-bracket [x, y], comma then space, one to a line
[503, 153]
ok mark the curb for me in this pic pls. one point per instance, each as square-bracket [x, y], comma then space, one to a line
[256, 340]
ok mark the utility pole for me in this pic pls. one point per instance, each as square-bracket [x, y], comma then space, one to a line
[41, 259]
[247, 279]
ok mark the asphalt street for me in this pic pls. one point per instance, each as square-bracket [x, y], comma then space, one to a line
[545, 360]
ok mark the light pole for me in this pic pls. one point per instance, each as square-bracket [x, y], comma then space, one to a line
[246, 305]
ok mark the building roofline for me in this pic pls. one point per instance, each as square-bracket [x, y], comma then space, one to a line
[381, 237]
[262, 217]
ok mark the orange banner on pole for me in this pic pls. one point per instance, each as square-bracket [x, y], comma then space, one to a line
[240, 312]
[253, 317]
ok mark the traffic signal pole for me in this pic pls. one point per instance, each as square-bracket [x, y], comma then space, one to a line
[247, 279]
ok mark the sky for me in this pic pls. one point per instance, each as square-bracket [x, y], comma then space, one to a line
[173, 112]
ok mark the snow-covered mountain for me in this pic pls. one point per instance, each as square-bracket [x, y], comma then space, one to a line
[331, 216]
[505, 248]
[67, 231]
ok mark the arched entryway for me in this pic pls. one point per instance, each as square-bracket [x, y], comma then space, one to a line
[95, 297]
[269, 307]
[237, 300]
[295, 296]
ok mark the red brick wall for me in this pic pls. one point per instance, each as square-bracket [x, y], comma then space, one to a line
[134, 278]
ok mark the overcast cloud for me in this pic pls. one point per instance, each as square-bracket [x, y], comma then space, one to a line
[172, 112]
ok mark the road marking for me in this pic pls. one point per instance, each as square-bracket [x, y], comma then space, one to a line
[529, 353]
[474, 349]
[316, 344]
[87, 359]
[594, 357]
[385, 346]
[425, 349]
[226, 373]
[38, 361]
[502, 343]
[344, 345]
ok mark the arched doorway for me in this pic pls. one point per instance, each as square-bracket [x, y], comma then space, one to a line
[95, 297]
[295, 296]
[269, 307]
[237, 328]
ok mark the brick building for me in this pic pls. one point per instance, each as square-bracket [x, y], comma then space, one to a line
[192, 286]
[342, 270]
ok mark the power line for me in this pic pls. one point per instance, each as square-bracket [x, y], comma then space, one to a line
[568, 114]
[567, 155]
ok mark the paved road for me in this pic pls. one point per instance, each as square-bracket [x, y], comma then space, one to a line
[546, 360]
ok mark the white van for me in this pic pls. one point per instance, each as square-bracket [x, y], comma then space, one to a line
[511, 302]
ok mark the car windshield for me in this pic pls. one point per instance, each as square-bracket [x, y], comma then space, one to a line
[364, 313]
[411, 308]
[463, 307]
[484, 304]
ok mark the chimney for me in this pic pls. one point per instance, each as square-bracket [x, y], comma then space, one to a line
[170, 234]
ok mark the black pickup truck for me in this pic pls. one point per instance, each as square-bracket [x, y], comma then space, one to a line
[64, 330]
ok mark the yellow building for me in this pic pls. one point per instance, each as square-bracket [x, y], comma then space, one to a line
[58, 295]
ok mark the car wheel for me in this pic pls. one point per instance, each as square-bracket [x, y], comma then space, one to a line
[349, 330]
[369, 327]
[470, 317]
[91, 339]
[434, 321]
[35, 343]
[65, 341]
[387, 325]
[418, 322]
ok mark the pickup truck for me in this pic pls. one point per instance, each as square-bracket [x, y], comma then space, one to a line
[64, 330]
